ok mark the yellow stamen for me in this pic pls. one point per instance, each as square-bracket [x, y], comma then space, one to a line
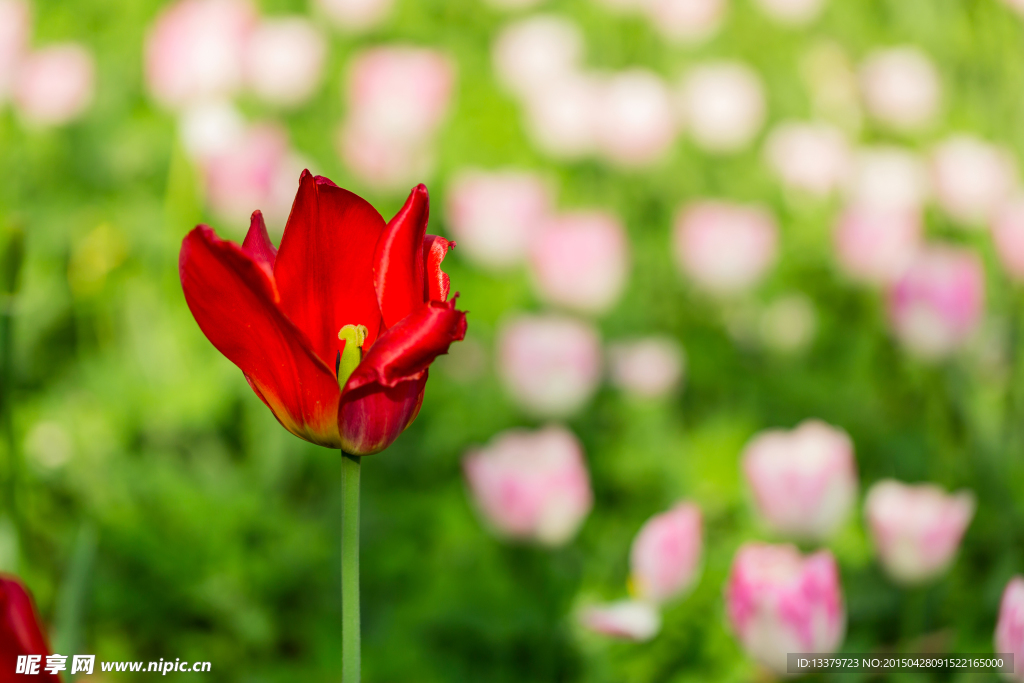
[352, 353]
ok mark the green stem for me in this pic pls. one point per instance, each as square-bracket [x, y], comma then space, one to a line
[350, 568]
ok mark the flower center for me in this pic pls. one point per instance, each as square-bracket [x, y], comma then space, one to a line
[352, 353]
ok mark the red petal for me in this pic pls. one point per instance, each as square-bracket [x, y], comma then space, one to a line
[435, 248]
[257, 242]
[324, 269]
[398, 261]
[371, 418]
[20, 632]
[232, 297]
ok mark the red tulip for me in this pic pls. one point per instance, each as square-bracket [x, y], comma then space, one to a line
[20, 634]
[336, 330]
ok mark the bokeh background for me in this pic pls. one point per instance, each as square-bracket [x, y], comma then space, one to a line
[156, 508]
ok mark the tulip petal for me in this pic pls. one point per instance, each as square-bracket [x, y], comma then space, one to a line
[324, 268]
[371, 418]
[398, 262]
[438, 285]
[20, 633]
[233, 298]
[257, 242]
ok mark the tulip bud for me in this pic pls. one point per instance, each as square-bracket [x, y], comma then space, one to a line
[531, 485]
[876, 245]
[1009, 634]
[811, 157]
[901, 88]
[778, 602]
[284, 60]
[635, 123]
[666, 554]
[916, 528]
[972, 178]
[647, 368]
[537, 52]
[626, 619]
[561, 117]
[804, 481]
[888, 178]
[723, 105]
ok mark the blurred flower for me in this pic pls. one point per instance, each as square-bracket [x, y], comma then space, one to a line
[778, 602]
[938, 302]
[830, 78]
[811, 157]
[788, 323]
[20, 630]
[15, 32]
[494, 215]
[626, 619]
[562, 117]
[804, 480]
[49, 445]
[723, 247]
[195, 50]
[356, 15]
[334, 332]
[1009, 635]
[55, 85]
[792, 12]
[649, 367]
[916, 527]
[210, 129]
[685, 21]
[1016, 5]
[284, 60]
[533, 53]
[384, 163]
[580, 260]
[877, 245]
[665, 555]
[901, 87]
[723, 105]
[888, 178]
[512, 4]
[1008, 235]
[550, 365]
[635, 122]
[971, 178]
[531, 485]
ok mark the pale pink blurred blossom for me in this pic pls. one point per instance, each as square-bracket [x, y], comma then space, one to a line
[356, 15]
[1008, 235]
[901, 87]
[971, 178]
[531, 485]
[890, 178]
[15, 34]
[649, 367]
[580, 260]
[549, 364]
[382, 161]
[876, 245]
[804, 480]
[778, 601]
[562, 117]
[636, 123]
[724, 248]
[195, 50]
[686, 21]
[534, 53]
[210, 129]
[916, 528]
[810, 157]
[495, 215]
[792, 12]
[938, 302]
[284, 60]
[723, 105]
[626, 619]
[666, 554]
[1009, 635]
[55, 85]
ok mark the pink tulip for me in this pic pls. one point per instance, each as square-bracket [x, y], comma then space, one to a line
[626, 620]
[383, 162]
[889, 178]
[531, 485]
[562, 118]
[804, 481]
[686, 21]
[916, 528]
[972, 178]
[195, 50]
[724, 248]
[356, 15]
[877, 245]
[650, 367]
[550, 365]
[15, 33]
[494, 216]
[666, 554]
[1009, 636]
[792, 12]
[535, 53]
[724, 105]
[284, 60]
[810, 157]
[778, 601]
[210, 129]
[938, 303]
[55, 85]
[1008, 235]
[581, 261]
[635, 123]
[901, 88]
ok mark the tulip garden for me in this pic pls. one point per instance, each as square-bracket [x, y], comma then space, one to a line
[701, 342]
